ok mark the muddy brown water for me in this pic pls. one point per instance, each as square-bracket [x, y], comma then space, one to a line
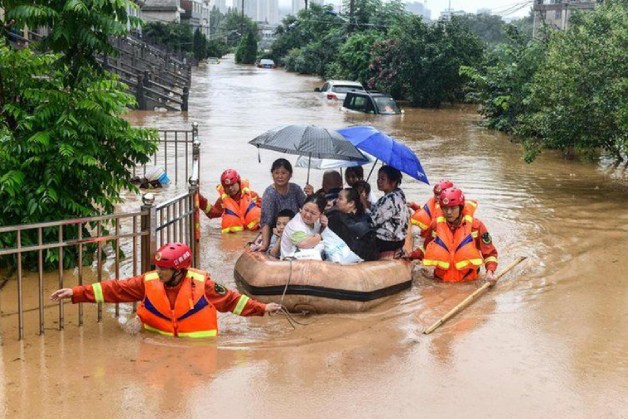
[551, 340]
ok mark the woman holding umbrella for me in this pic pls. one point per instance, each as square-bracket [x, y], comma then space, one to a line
[389, 215]
[282, 194]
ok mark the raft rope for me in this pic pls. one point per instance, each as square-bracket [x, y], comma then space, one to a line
[284, 310]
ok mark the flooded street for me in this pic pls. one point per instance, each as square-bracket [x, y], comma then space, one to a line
[549, 341]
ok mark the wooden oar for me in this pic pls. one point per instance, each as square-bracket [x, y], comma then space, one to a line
[471, 297]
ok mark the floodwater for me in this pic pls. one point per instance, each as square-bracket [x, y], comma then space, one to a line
[550, 340]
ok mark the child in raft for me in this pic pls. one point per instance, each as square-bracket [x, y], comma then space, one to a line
[302, 234]
[283, 218]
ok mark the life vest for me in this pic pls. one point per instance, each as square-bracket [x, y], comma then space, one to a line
[193, 316]
[238, 216]
[454, 254]
[423, 218]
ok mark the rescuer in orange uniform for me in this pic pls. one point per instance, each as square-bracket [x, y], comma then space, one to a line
[239, 206]
[457, 244]
[176, 300]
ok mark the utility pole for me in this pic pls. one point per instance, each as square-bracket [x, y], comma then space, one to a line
[242, 21]
[351, 20]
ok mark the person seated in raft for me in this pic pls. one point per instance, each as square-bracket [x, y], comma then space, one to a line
[238, 205]
[363, 188]
[280, 195]
[355, 175]
[303, 231]
[331, 186]
[389, 215]
[457, 244]
[283, 218]
[350, 222]
[176, 300]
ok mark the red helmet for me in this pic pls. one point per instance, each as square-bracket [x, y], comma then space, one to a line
[451, 197]
[229, 177]
[173, 256]
[442, 185]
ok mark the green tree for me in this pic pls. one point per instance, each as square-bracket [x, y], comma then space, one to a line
[65, 150]
[579, 99]
[174, 36]
[354, 57]
[200, 45]
[421, 62]
[489, 28]
[232, 24]
[246, 53]
[502, 84]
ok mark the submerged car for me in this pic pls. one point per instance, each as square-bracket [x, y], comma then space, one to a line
[371, 102]
[337, 89]
[266, 63]
[213, 60]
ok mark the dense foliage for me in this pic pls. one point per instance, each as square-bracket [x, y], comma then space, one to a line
[180, 38]
[382, 46]
[567, 91]
[65, 151]
[246, 52]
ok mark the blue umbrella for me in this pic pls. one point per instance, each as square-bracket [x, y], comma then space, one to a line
[386, 149]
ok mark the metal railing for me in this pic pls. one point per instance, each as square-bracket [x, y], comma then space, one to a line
[112, 245]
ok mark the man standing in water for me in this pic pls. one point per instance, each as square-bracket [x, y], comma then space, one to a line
[457, 244]
[176, 300]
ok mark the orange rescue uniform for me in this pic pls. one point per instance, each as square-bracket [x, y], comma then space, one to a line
[457, 252]
[186, 310]
[243, 210]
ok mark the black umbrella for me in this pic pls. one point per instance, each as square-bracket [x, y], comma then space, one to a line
[308, 140]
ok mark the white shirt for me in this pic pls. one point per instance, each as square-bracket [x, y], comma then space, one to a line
[295, 231]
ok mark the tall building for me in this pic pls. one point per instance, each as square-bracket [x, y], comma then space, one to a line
[419, 9]
[556, 13]
[297, 5]
[219, 4]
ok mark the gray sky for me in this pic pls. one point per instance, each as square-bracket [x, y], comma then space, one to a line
[504, 8]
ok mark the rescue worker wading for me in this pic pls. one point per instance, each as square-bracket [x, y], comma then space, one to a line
[238, 205]
[176, 300]
[457, 244]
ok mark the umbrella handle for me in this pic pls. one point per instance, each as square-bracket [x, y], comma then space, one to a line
[309, 162]
[372, 168]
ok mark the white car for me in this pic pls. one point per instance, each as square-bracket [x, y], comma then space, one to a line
[337, 89]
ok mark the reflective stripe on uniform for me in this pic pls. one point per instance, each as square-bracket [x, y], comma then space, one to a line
[232, 229]
[241, 304]
[462, 264]
[252, 225]
[474, 234]
[208, 208]
[151, 276]
[153, 329]
[490, 259]
[196, 276]
[202, 334]
[98, 296]
[438, 263]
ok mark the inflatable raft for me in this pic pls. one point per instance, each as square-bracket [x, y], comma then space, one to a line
[318, 286]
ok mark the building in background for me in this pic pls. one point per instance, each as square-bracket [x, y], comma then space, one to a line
[556, 13]
[419, 9]
[220, 5]
[196, 14]
[164, 11]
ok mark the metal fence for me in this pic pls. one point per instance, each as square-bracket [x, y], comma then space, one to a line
[103, 247]
[174, 153]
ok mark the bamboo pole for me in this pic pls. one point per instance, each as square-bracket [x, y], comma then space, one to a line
[471, 298]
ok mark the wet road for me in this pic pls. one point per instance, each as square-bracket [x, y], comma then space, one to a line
[551, 340]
